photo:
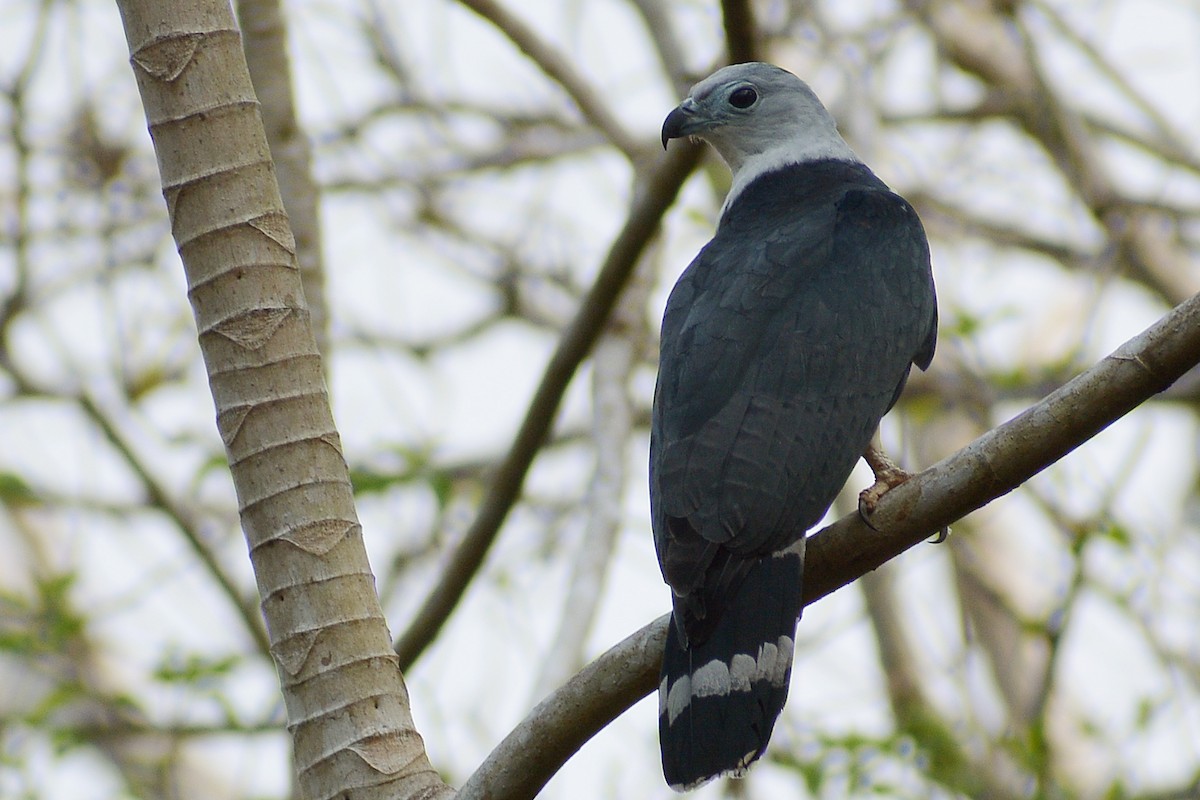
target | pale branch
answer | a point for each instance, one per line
(374, 25)
(1165, 151)
(1047, 679)
(657, 19)
(1016, 656)
(21, 230)
(1003, 458)
(991, 466)
(996, 104)
(950, 221)
(897, 657)
(1000, 632)
(431, 170)
(39, 45)
(652, 197)
(120, 727)
(559, 68)
(912, 709)
(354, 337)
(346, 133)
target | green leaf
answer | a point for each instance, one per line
(1118, 534)
(15, 491)
(194, 669)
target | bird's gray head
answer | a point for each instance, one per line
(758, 117)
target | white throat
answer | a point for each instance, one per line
(792, 151)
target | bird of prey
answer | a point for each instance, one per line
(784, 343)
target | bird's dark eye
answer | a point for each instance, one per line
(743, 97)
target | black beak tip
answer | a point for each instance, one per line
(673, 125)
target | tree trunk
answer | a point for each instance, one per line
(347, 705)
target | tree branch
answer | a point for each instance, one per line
(653, 197)
(991, 466)
(999, 51)
(559, 68)
(613, 363)
(185, 521)
(1003, 458)
(741, 34)
(559, 725)
(657, 19)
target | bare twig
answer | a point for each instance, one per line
(186, 523)
(652, 198)
(657, 17)
(559, 68)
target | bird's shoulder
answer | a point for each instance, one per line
(785, 230)
(785, 218)
(879, 242)
(874, 218)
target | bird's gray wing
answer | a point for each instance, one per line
(783, 344)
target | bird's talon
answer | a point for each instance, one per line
(885, 481)
(942, 535)
(864, 513)
(888, 475)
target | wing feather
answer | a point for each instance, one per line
(783, 344)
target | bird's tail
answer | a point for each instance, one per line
(718, 699)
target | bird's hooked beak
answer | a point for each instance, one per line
(682, 121)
